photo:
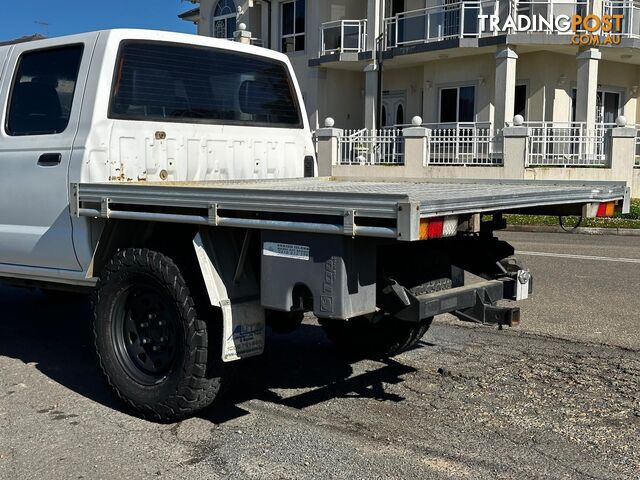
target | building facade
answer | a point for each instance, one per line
(369, 63)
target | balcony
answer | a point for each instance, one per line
(461, 19)
(438, 23)
(343, 36)
(631, 12)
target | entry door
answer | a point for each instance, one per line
(607, 107)
(36, 138)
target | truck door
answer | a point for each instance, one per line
(41, 95)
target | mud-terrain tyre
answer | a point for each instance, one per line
(385, 336)
(152, 344)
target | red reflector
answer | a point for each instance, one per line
(436, 227)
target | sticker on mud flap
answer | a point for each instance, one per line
(285, 250)
(244, 330)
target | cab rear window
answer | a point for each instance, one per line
(158, 81)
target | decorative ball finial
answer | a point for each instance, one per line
(518, 120)
(621, 121)
(242, 27)
(329, 122)
(416, 121)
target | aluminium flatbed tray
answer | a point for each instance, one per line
(369, 207)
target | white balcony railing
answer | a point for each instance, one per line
(570, 144)
(549, 11)
(465, 144)
(371, 147)
(343, 36)
(461, 19)
(630, 9)
(437, 23)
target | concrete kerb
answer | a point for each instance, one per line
(628, 232)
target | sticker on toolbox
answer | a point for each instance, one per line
(285, 250)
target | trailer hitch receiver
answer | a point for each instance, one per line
(486, 313)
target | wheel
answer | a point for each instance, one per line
(381, 335)
(152, 344)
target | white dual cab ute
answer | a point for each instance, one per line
(174, 178)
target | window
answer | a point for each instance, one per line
(607, 106)
(224, 19)
(159, 81)
(457, 104)
(397, 6)
(520, 101)
(43, 90)
(400, 115)
(292, 21)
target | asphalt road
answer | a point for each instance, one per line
(555, 398)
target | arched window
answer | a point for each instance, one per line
(400, 115)
(224, 19)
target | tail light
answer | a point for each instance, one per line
(438, 227)
(606, 209)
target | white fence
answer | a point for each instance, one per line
(571, 144)
(343, 36)
(371, 147)
(465, 144)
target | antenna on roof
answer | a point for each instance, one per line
(44, 25)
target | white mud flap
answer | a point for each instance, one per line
(232, 286)
(244, 330)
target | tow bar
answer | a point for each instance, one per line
(470, 303)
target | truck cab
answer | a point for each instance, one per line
(132, 105)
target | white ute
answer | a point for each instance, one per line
(165, 175)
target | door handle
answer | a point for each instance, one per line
(50, 159)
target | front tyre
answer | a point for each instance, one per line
(152, 344)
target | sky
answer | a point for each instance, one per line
(27, 17)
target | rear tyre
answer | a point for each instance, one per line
(152, 343)
(381, 335)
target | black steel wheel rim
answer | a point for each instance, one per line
(145, 334)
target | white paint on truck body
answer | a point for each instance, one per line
(37, 234)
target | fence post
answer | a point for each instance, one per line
(242, 35)
(622, 151)
(416, 148)
(328, 150)
(515, 148)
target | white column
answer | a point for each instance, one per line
(375, 18)
(371, 96)
(264, 24)
(275, 25)
(505, 87)
(587, 86)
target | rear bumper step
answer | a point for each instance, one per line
(471, 303)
